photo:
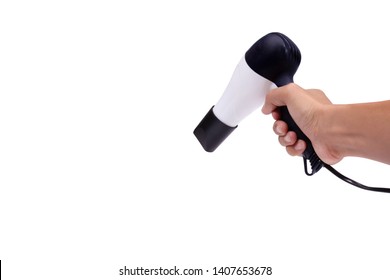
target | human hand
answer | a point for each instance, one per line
(307, 108)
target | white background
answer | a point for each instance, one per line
(99, 167)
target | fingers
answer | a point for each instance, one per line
(281, 97)
(288, 139)
(297, 149)
(276, 114)
(280, 128)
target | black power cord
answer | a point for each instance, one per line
(354, 183)
(316, 164)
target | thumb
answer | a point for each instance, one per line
(275, 98)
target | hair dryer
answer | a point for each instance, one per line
(272, 61)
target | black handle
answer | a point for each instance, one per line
(309, 153)
(277, 58)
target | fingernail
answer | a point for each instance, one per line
(279, 130)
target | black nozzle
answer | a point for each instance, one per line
(211, 132)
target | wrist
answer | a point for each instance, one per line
(332, 141)
(342, 132)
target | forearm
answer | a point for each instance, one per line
(361, 130)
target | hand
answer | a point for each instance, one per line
(306, 108)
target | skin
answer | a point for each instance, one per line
(336, 131)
